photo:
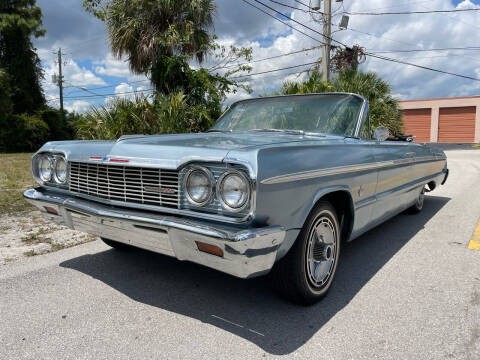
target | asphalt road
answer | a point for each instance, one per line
(409, 289)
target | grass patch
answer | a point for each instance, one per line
(31, 239)
(15, 177)
(57, 246)
(476, 145)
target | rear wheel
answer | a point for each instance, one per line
(117, 245)
(418, 206)
(305, 274)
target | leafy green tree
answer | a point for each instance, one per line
(383, 106)
(19, 21)
(6, 105)
(160, 38)
(26, 122)
(143, 30)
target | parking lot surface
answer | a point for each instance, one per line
(409, 289)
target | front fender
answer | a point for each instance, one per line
(292, 234)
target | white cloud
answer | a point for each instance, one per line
(78, 106)
(123, 88)
(126, 91)
(112, 67)
(422, 31)
(239, 24)
(73, 75)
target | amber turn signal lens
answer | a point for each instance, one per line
(208, 248)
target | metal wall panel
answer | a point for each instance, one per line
(417, 122)
(457, 124)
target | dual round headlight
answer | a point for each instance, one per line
(45, 168)
(232, 188)
(51, 168)
(198, 184)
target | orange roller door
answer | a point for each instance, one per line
(417, 122)
(457, 124)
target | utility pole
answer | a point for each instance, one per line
(327, 33)
(60, 81)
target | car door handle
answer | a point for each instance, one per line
(410, 155)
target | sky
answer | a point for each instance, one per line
(90, 69)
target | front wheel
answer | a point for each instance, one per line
(305, 274)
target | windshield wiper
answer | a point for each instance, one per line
(289, 131)
(220, 131)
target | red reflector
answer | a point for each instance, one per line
(51, 210)
(119, 160)
(208, 248)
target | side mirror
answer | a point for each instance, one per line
(381, 133)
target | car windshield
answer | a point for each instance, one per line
(321, 114)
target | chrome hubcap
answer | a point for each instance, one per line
(321, 251)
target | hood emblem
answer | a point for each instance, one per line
(160, 190)
(101, 158)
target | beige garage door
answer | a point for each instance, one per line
(417, 122)
(457, 124)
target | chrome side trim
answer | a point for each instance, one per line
(344, 169)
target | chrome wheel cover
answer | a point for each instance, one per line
(321, 251)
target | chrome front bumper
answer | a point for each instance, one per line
(246, 253)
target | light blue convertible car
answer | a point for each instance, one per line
(276, 186)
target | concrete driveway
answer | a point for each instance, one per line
(409, 289)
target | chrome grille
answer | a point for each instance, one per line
(126, 184)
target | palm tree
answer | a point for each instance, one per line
(383, 106)
(146, 31)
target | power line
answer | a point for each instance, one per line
(453, 17)
(438, 56)
(411, 12)
(397, 5)
(273, 57)
(123, 82)
(274, 70)
(104, 95)
(376, 36)
(295, 21)
(81, 88)
(420, 66)
(302, 3)
(283, 22)
(366, 53)
(468, 48)
(289, 6)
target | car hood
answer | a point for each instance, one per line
(171, 151)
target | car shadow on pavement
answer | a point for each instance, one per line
(250, 308)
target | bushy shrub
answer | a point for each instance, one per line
(59, 128)
(25, 132)
(166, 114)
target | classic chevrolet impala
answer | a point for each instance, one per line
(275, 186)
